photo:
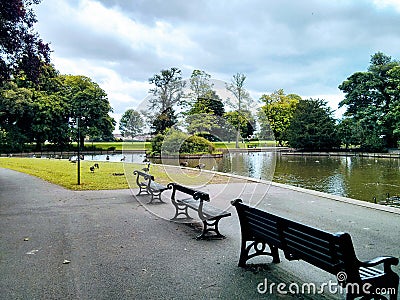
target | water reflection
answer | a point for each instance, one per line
(354, 177)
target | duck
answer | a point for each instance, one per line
(200, 166)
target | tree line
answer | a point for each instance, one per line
(371, 121)
(38, 104)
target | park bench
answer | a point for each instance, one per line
(147, 185)
(330, 252)
(198, 201)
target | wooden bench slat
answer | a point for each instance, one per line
(332, 252)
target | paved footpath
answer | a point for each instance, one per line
(118, 247)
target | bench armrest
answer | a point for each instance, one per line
(387, 261)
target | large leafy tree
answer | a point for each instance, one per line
(168, 89)
(243, 121)
(167, 93)
(277, 112)
(163, 121)
(241, 102)
(375, 91)
(131, 123)
(205, 116)
(21, 49)
(312, 126)
(88, 103)
(200, 85)
(210, 103)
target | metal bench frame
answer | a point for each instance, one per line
(149, 186)
(332, 252)
(208, 214)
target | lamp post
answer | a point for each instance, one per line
(79, 152)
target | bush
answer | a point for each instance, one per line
(156, 143)
(173, 141)
(177, 142)
(197, 144)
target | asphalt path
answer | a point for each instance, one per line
(61, 244)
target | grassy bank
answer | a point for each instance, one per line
(110, 175)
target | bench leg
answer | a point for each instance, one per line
(210, 226)
(142, 189)
(181, 209)
(155, 196)
(256, 248)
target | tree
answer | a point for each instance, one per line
(163, 121)
(375, 91)
(243, 100)
(21, 49)
(200, 85)
(88, 103)
(277, 113)
(205, 116)
(242, 121)
(312, 126)
(168, 89)
(211, 103)
(131, 123)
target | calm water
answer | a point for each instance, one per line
(354, 177)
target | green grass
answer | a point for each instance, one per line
(64, 173)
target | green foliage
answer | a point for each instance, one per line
(173, 142)
(156, 143)
(168, 89)
(312, 126)
(164, 121)
(47, 111)
(176, 142)
(211, 103)
(244, 121)
(197, 144)
(200, 86)
(21, 49)
(277, 113)
(131, 123)
(372, 101)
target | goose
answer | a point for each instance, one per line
(147, 169)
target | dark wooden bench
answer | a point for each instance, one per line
(147, 185)
(198, 201)
(332, 252)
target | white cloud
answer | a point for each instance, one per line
(305, 47)
(387, 3)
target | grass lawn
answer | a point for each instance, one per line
(64, 173)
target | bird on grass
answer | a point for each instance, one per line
(92, 169)
(184, 164)
(96, 165)
(200, 166)
(147, 169)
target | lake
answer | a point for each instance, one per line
(359, 178)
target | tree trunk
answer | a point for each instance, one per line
(237, 138)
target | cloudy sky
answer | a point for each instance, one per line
(305, 47)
